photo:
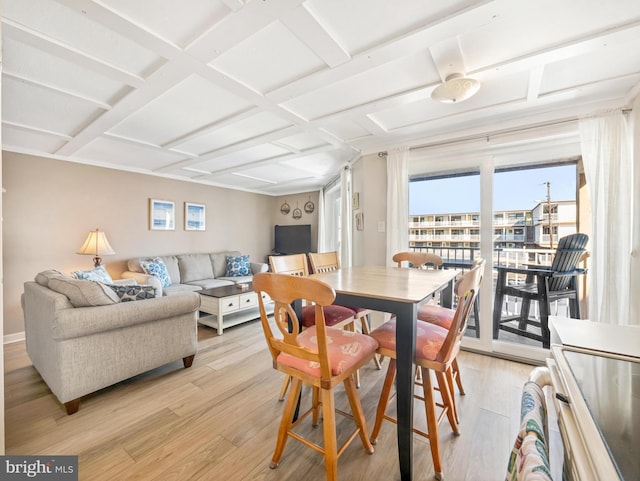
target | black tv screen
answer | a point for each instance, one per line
(292, 239)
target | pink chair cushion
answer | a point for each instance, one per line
(332, 315)
(429, 338)
(346, 349)
(438, 315)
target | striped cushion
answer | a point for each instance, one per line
(438, 315)
(332, 315)
(346, 349)
(429, 338)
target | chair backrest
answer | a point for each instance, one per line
(466, 290)
(294, 264)
(284, 289)
(418, 260)
(324, 261)
(568, 254)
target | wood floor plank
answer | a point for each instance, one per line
(219, 420)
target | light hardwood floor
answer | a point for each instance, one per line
(219, 419)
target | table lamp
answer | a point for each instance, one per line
(96, 245)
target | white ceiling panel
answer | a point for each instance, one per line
(277, 97)
(302, 141)
(240, 158)
(126, 154)
(44, 109)
(177, 22)
(72, 28)
(362, 24)
(37, 141)
(26, 62)
(236, 132)
(190, 105)
(268, 59)
(394, 77)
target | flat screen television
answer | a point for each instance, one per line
(292, 239)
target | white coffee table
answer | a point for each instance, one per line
(230, 305)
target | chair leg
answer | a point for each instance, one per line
(366, 329)
(358, 414)
(449, 375)
(383, 402)
(286, 421)
(330, 440)
(447, 399)
(283, 389)
(315, 402)
(456, 371)
(432, 422)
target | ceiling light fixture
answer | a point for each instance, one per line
(455, 88)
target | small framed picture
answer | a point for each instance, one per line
(162, 215)
(360, 221)
(195, 216)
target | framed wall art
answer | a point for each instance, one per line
(162, 215)
(195, 216)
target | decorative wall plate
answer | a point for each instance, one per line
(309, 207)
(297, 213)
(285, 208)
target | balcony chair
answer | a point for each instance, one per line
(327, 262)
(320, 356)
(335, 316)
(418, 260)
(436, 349)
(544, 284)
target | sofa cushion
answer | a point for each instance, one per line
(44, 277)
(211, 283)
(195, 267)
(133, 292)
(99, 274)
(238, 266)
(219, 262)
(180, 288)
(83, 293)
(156, 267)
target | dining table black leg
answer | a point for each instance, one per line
(405, 350)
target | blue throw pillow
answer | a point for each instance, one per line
(238, 266)
(134, 292)
(99, 274)
(158, 269)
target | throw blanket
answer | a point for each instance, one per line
(529, 458)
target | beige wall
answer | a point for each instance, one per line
(298, 201)
(51, 205)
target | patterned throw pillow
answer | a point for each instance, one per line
(99, 274)
(158, 269)
(134, 292)
(238, 266)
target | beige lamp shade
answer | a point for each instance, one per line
(96, 245)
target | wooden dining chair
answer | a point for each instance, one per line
(328, 262)
(335, 316)
(417, 260)
(320, 356)
(444, 316)
(436, 349)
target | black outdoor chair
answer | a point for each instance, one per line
(545, 284)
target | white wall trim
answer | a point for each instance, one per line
(16, 337)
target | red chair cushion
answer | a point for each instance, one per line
(332, 315)
(429, 338)
(438, 315)
(346, 350)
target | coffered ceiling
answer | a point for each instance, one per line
(275, 96)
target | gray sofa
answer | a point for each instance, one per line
(81, 338)
(191, 272)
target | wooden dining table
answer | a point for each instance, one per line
(399, 291)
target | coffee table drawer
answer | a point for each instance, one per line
(229, 304)
(250, 299)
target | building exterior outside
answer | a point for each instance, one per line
(512, 228)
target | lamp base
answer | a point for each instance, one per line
(97, 261)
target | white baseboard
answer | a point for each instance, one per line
(17, 337)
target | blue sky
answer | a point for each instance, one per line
(519, 189)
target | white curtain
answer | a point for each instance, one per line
(608, 165)
(345, 217)
(322, 223)
(397, 202)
